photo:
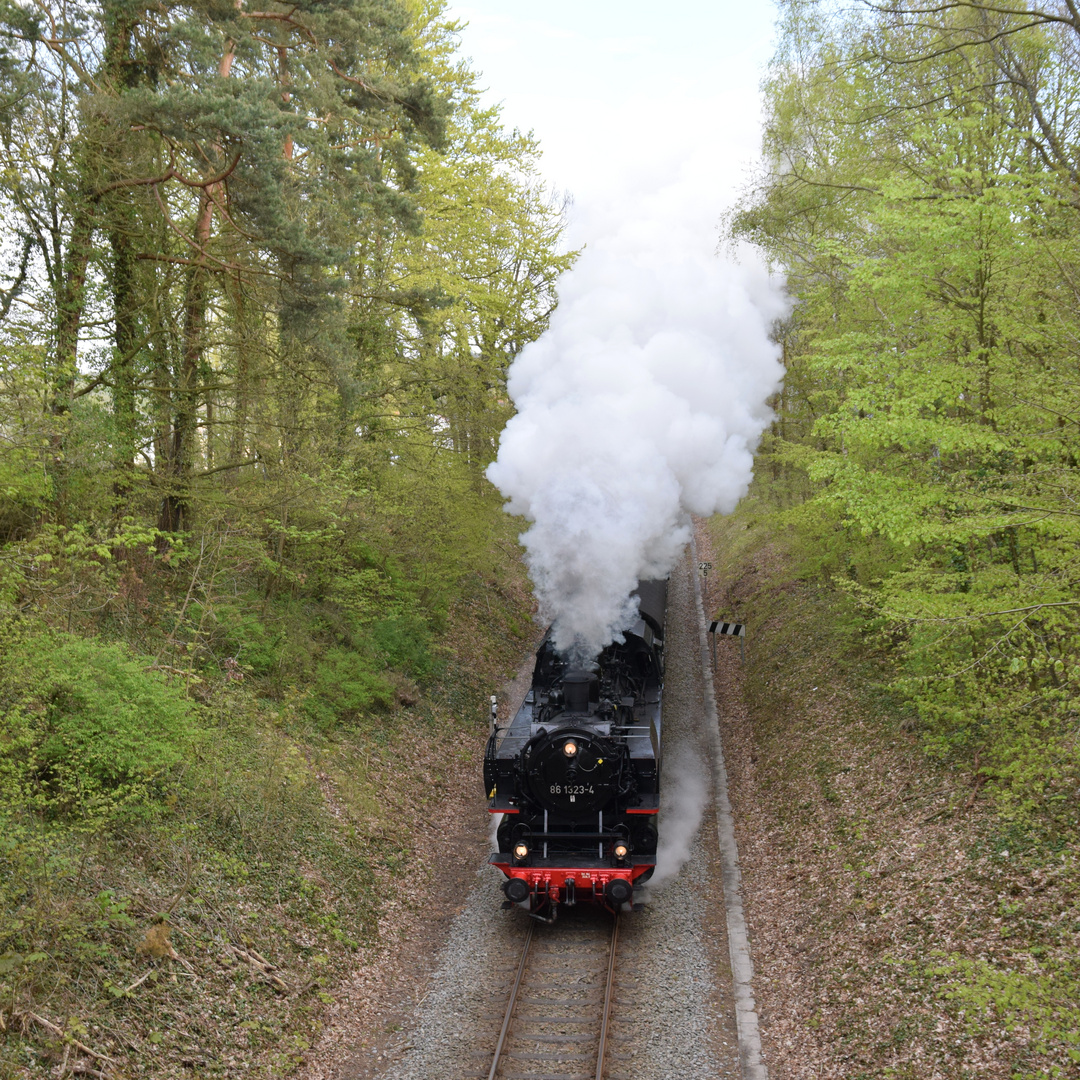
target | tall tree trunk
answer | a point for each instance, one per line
(119, 73)
(241, 403)
(159, 339)
(176, 504)
(181, 450)
(124, 367)
(69, 318)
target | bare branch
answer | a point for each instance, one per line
(990, 614)
(203, 253)
(8, 295)
(224, 468)
(171, 173)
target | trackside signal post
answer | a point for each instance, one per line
(728, 629)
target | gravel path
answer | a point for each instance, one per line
(673, 1013)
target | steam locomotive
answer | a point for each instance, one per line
(576, 773)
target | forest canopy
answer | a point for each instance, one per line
(920, 190)
(264, 268)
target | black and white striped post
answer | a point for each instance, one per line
(729, 629)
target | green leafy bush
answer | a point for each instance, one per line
(403, 641)
(86, 729)
(346, 686)
(236, 630)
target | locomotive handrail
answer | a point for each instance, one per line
(631, 729)
(572, 835)
(523, 832)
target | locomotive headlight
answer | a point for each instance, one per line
(570, 748)
(521, 852)
(621, 851)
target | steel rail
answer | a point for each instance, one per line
(608, 991)
(512, 1002)
(605, 1016)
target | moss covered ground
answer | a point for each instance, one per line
(199, 921)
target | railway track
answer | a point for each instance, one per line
(557, 1022)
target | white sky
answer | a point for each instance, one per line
(624, 94)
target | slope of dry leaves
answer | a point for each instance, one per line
(363, 1028)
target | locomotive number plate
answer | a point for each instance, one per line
(572, 789)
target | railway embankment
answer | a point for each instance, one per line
(901, 925)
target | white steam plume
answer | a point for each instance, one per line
(685, 792)
(641, 404)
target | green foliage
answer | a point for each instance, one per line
(25, 488)
(73, 572)
(281, 832)
(825, 547)
(87, 731)
(404, 642)
(239, 631)
(346, 686)
(1040, 1004)
(250, 832)
(932, 242)
(263, 465)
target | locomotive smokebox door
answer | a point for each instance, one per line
(573, 772)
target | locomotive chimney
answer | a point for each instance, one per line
(578, 689)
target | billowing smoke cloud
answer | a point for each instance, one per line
(641, 405)
(493, 831)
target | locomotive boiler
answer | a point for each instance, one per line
(575, 775)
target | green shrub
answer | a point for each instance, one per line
(237, 631)
(345, 687)
(85, 728)
(403, 641)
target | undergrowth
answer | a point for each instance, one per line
(197, 841)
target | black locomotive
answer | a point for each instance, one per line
(576, 773)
